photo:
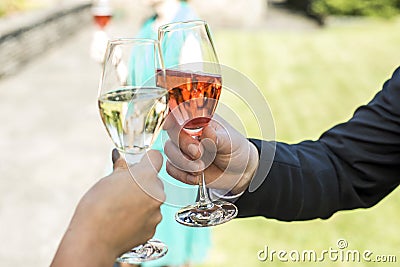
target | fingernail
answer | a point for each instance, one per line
(192, 148)
(115, 155)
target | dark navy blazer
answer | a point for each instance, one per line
(353, 165)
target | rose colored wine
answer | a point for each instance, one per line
(193, 98)
(102, 20)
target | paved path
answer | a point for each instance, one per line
(53, 147)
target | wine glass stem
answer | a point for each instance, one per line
(204, 200)
(132, 159)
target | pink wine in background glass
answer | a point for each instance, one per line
(101, 20)
(193, 98)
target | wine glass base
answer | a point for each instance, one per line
(217, 212)
(151, 250)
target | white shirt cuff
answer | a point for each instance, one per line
(216, 194)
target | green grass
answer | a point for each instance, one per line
(14, 6)
(312, 81)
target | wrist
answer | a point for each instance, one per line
(80, 246)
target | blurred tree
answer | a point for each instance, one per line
(9, 6)
(320, 9)
(379, 8)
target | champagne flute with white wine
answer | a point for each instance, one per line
(133, 109)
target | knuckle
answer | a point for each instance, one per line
(168, 147)
(158, 217)
(150, 233)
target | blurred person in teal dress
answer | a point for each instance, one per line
(186, 245)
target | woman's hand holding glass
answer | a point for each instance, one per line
(133, 108)
(114, 215)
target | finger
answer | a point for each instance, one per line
(144, 174)
(209, 144)
(185, 142)
(151, 163)
(115, 155)
(181, 138)
(118, 161)
(215, 178)
(222, 134)
(170, 122)
(172, 127)
(188, 145)
(152, 158)
(209, 151)
(180, 161)
(180, 175)
(209, 132)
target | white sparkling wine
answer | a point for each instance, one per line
(133, 116)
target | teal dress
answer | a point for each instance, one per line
(185, 244)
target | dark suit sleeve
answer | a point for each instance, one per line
(353, 165)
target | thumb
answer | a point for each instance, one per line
(117, 160)
(209, 143)
(210, 136)
(152, 158)
(145, 172)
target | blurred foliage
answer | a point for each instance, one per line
(381, 8)
(10, 6)
(312, 80)
(323, 8)
(14, 6)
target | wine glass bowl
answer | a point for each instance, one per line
(133, 116)
(193, 97)
(193, 79)
(133, 108)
